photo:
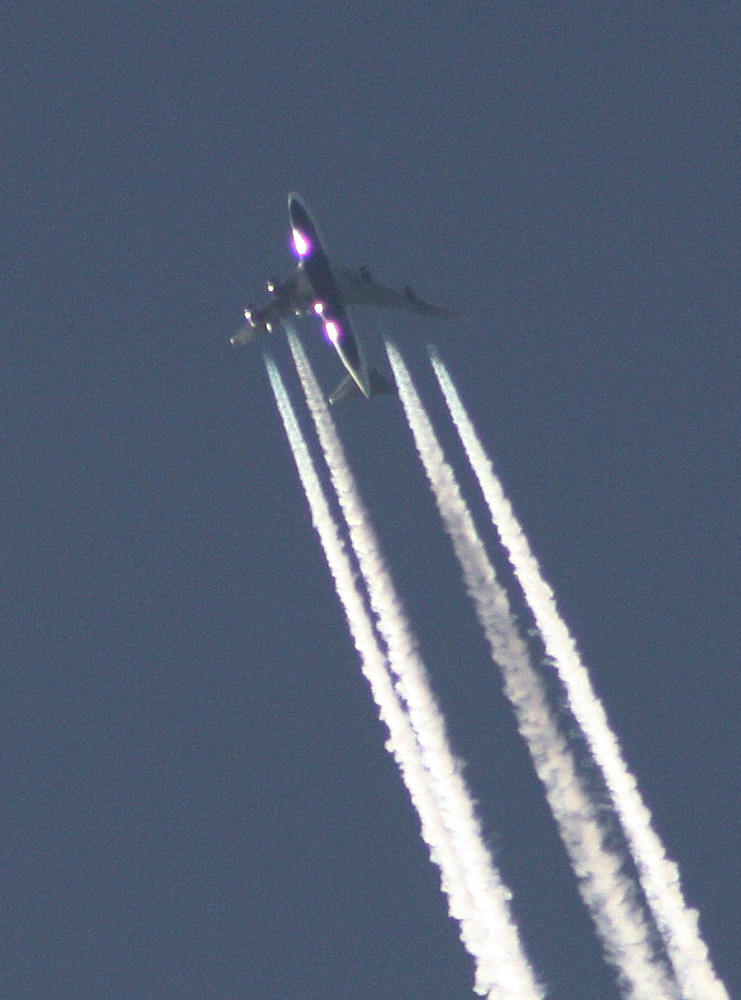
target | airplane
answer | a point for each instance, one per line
(326, 290)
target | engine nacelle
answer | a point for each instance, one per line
(251, 315)
(255, 324)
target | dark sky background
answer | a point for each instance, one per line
(196, 798)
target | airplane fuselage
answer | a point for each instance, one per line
(317, 287)
(328, 304)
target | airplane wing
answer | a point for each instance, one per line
(246, 334)
(359, 289)
(291, 297)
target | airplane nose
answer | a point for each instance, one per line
(299, 214)
(304, 231)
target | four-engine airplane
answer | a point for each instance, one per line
(316, 286)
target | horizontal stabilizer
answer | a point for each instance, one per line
(348, 387)
(379, 384)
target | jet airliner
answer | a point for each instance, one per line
(317, 287)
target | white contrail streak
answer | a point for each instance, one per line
(608, 893)
(402, 743)
(490, 936)
(659, 877)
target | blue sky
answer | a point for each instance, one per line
(197, 801)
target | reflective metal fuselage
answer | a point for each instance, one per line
(328, 304)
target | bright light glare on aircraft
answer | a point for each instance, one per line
(317, 288)
(300, 244)
(332, 330)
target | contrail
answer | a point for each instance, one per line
(402, 743)
(608, 893)
(659, 877)
(502, 970)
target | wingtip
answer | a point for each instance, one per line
(242, 337)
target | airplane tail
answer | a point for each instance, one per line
(348, 387)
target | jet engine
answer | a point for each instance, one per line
(254, 325)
